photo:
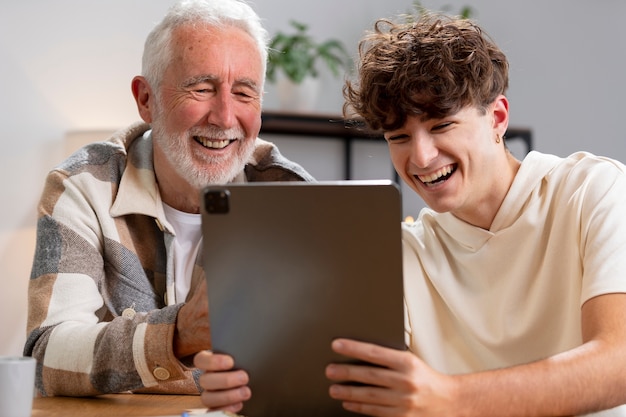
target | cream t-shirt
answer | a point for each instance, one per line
(483, 299)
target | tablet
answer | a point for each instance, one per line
(291, 266)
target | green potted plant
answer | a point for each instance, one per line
(297, 55)
(465, 12)
(294, 63)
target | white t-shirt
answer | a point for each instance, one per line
(186, 246)
(483, 299)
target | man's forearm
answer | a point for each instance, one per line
(586, 379)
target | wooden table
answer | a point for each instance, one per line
(116, 405)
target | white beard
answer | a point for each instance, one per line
(200, 169)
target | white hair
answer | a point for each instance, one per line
(215, 13)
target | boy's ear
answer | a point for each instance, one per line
(501, 114)
(142, 92)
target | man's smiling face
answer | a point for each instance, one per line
(456, 163)
(207, 114)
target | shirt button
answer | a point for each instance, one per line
(161, 373)
(129, 313)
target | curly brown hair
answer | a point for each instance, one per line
(433, 67)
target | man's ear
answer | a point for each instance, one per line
(500, 114)
(143, 97)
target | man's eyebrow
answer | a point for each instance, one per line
(206, 78)
(250, 83)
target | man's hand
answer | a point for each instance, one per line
(402, 384)
(192, 324)
(224, 388)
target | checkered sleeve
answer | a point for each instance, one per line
(97, 322)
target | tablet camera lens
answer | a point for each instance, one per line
(217, 201)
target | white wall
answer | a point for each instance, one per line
(66, 65)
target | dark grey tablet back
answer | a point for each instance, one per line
(290, 266)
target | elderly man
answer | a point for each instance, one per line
(117, 299)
